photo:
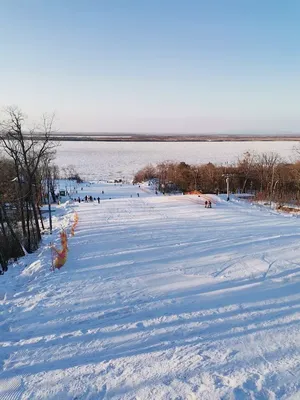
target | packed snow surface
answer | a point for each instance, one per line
(160, 298)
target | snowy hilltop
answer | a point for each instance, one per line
(160, 298)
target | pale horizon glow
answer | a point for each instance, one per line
(153, 67)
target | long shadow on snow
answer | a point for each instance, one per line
(198, 299)
(265, 314)
(136, 268)
(183, 324)
(153, 344)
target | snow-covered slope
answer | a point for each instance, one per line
(160, 298)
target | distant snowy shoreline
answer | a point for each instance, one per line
(110, 160)
(95, 137)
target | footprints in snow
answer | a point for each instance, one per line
(252, 388)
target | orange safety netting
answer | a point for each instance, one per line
(74, 224)
(64, 240)
(60, 255)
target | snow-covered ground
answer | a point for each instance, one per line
(160, 298)
(107, 160)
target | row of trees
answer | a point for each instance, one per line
(27, 176)
(264, 174)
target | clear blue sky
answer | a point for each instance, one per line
(153, 65)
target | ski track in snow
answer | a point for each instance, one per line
(160, 298)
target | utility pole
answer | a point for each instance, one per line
(227, 181)
(227, 176)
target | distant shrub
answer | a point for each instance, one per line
(75, 177)
(265, 175)
(145, 174)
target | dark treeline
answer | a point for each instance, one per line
(27, 175)
(266, 175)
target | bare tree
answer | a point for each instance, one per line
(27, 149)
(10, 238)
(245, 168)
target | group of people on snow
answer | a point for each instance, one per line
(207, 204)
(88, 199)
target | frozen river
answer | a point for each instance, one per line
(107, 160)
